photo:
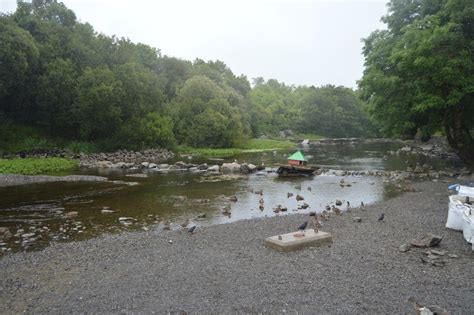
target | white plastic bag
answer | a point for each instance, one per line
(455, 212)
(465, 190)
(468, 225)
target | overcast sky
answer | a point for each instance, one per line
(299, 42)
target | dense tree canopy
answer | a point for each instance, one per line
(61, 78)
(419, 72)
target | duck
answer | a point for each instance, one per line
(226, 210)
(185, 223)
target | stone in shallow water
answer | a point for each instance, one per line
(298, 240)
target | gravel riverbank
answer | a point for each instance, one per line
(226, 268)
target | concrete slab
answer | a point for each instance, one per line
(298, 240)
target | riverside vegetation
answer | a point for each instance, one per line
(65, 85)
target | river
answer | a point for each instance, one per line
(38, 210)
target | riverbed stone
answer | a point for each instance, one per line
(181, 164)
(418, 169)
(104, 164)
(230, 167)
(71, 214)
(5, 233)
(404, 248)
(213, 168)
(203, 167)
(429, 240)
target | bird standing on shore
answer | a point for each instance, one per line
(362, 206)
(302, 227)
(185, 223)
(226, 210)
(382, 216)
(191, 229)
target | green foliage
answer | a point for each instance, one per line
(36, 166)
(209, 152)
(251, 145)
(206, 119)
(151, 131)
(81, 147)
(419, 72)
(91, 92)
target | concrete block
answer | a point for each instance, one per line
(298, 240)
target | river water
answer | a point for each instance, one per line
(39, 210)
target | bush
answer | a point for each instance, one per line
(81, 147)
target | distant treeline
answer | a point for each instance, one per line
(65, 81)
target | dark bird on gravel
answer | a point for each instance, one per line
(382, 216)
(185, 223)
(302, 227)
(233, 198)
(261, 207)
(226, 210)
(191, 229)
(328, 208)
(338, 202)
(336, 210)
(362, 206)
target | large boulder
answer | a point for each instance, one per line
(213, 168)
(230, 167)
(104, 164)
(429, 240)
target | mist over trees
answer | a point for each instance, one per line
(64, 80)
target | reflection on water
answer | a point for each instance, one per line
(40, 211)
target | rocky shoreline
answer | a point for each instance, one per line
(226, 268)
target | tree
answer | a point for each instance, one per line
(419, 73)
(18, 58)
(203, 116)
(96, 112)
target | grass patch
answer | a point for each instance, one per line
(252, 145)
(36, 166)
(309, 136)
(267, 144)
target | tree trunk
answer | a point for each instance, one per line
(459, 136)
